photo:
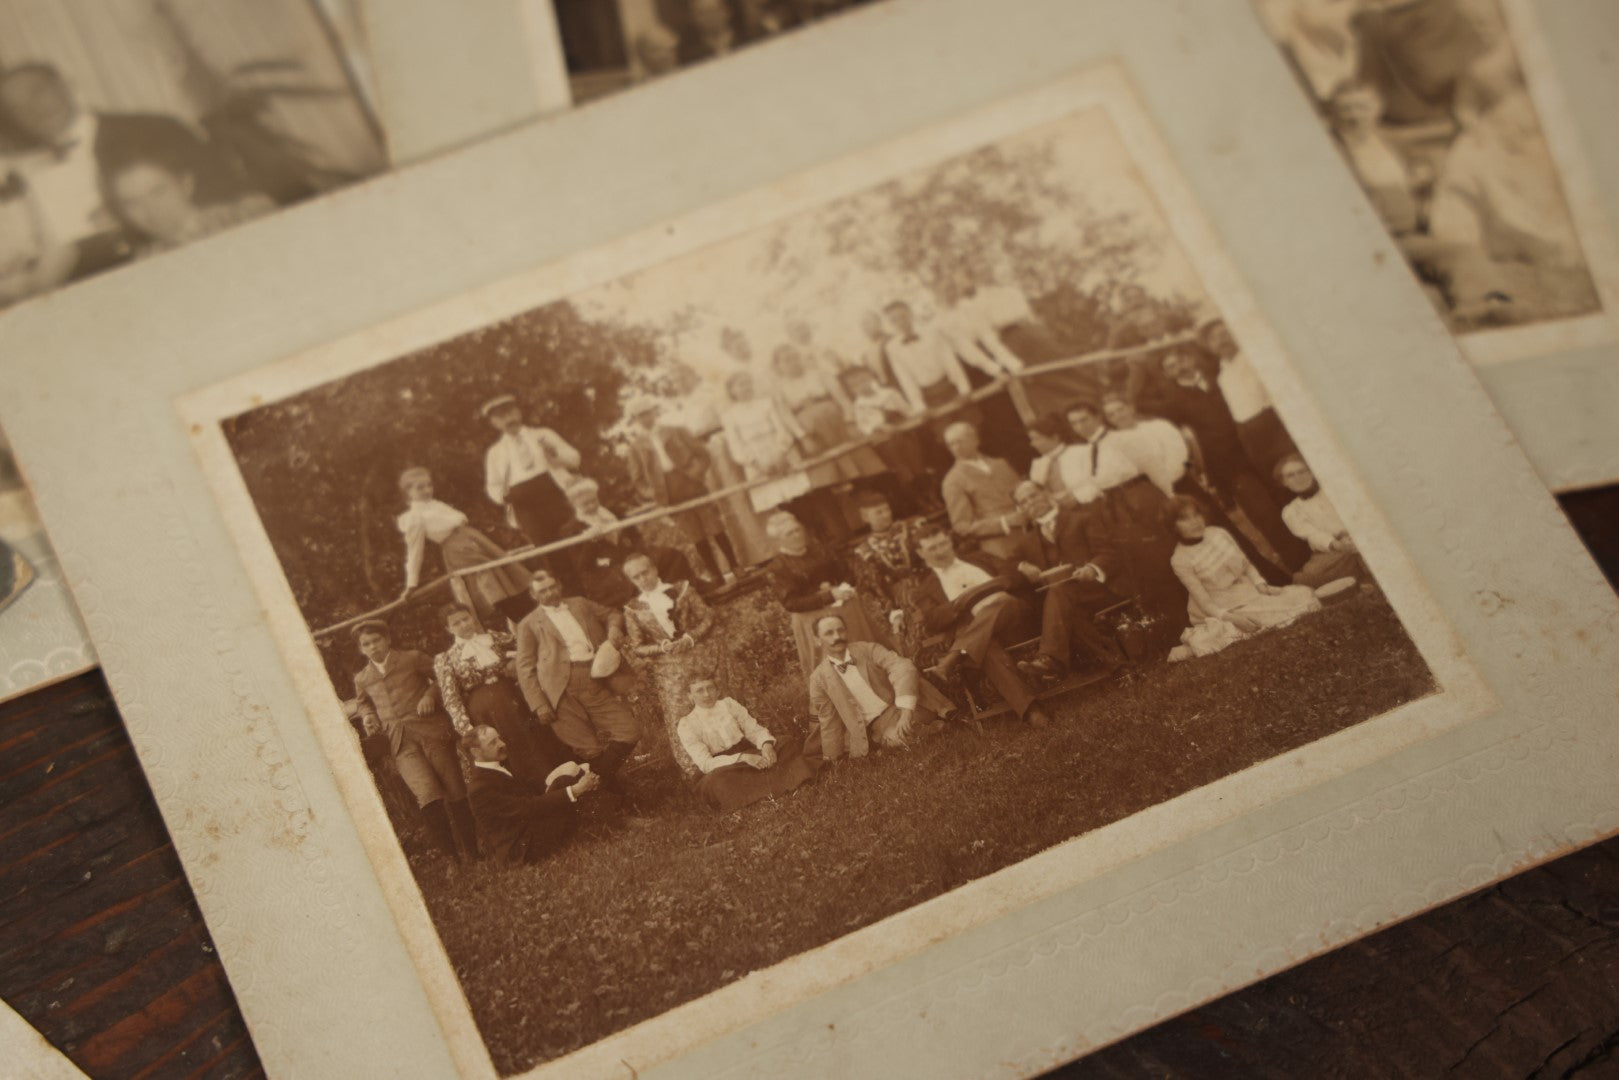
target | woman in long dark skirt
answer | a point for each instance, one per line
(739, 760)
(477, 680)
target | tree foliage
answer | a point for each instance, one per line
(322, 466)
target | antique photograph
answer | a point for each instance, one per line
(17, 521)
(129, 127)
(609, 45)
(706, 614)
(1431, 107)
(41, 637)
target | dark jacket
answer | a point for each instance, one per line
(1209, 417)
(684, 481)
(517, 821)
(939, 613)
(1082, 537)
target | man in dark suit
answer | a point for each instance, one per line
(593, 565)
(519, 821)
(80, 151)
(397, 693)
(1068, 536)
(569, 656)
(1192, 399)
(982, 602)
(669, 466)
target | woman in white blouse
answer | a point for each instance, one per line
(502, 590)
(738, 760)
(1228, 599)
(1154, 446)
(1312, 518)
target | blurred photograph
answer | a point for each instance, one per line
(610, 45)
(131, 127)
(1431, 107)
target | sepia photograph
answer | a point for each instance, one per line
(41, 637)
(609, 45)
(699, 617)
(17, 521)
(1431, 107)
(131, 127)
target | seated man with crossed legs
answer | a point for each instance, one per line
(972, 599)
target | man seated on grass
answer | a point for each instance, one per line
(863, 693)
(520, 821)
(972, 599)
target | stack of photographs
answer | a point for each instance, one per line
(921, 547)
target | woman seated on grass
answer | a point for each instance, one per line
(739, 759)
(1312, 518)
(1229, 599)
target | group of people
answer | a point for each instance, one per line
(1429, 103)
(1155, 498)
(82, 190)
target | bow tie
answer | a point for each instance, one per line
(842, 666)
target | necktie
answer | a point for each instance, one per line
(844, 666)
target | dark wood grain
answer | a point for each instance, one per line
(102, 947)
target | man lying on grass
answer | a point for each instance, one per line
(519, 821)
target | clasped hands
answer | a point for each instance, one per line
(683, 643)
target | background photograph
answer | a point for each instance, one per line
(609, 45)
(128, 127)
(1428, 101)
(707, 615)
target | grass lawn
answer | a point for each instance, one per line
(626, 923)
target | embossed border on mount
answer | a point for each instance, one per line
(1462, 697)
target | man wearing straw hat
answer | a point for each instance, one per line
(526, 470)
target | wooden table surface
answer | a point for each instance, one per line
(102, 947)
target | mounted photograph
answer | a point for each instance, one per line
(42, 638)
(814, 562)
(131, 127)
(611, 45)
(1435, 111)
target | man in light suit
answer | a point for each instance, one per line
(863, 694)
(560, 644)
(978, 494)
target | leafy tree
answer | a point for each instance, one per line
(323, 466)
